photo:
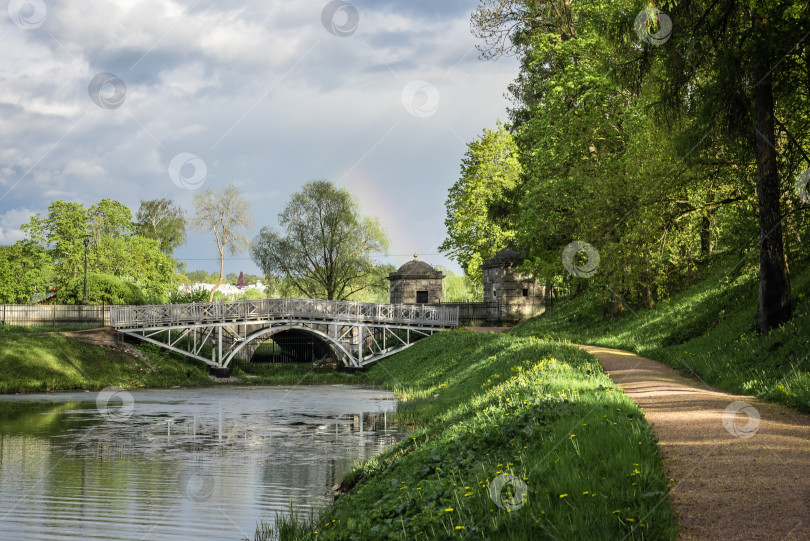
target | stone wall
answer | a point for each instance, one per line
(505, 287)
(403, 289)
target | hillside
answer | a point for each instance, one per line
(707, 331)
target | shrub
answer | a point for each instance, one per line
(101, 289)
(186, 297)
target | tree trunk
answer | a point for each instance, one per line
(773, 301)
(616, 305)
(648, 293)
(705, 236)
(221, 274)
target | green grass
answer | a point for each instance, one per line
(35, 361)
(38, 359)
(290, 373)
(707, 331)
(488, 407)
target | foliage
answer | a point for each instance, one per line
(185, 297)
(62, 232)
(159, 219)
(707, 331)
(477, 204)
(486, 406)
(246, 295)
(288, 374)
(203, 277)
(377, 287)
(101, 289)
(740, 61)
(647, 150)
(326, 245)
(462, 288)
(25, 273)
(54, 253)
(226, 214)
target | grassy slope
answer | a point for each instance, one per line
(33, 360)
(485, 406)
(707, 331)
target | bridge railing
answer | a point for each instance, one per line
(288, 308)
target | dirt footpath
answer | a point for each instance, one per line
(741, 466)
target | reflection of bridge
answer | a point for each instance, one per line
(353, 333)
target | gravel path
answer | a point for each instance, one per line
(740, 466)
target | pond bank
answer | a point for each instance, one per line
(42, 361)
(513, 438)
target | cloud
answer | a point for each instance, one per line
(260, 91)
(10, 222)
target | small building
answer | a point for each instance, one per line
(416, 282)
(510, 295)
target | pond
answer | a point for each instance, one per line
(179, 463)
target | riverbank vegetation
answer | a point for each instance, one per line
(513, 438)
(707, 331)
(34, 360)
(290, 374)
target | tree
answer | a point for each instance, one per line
(159, 219)
(62, 232)
(326, 246)
(733, 66)
(110, 227)
(25, 272)
(226, 214)
(475, 228)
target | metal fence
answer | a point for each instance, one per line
(264, 309)
(476, 313)
(54, 315)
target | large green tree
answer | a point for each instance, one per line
(477, 222)
(25, 272)
(163, 221)
(325, 246)
(732, 66)
(62, 232)
(56, 242)
(650, 145)
(110, 227)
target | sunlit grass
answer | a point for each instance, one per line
(708, 331)
(33, 360)
(490, 407)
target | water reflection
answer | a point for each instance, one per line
(188, 463)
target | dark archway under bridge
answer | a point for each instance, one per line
(292, 346)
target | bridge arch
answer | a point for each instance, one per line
(270, 331)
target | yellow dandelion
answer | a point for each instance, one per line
(563, 495)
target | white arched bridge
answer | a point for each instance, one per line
(215, 333)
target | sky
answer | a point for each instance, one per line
(143, 99)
